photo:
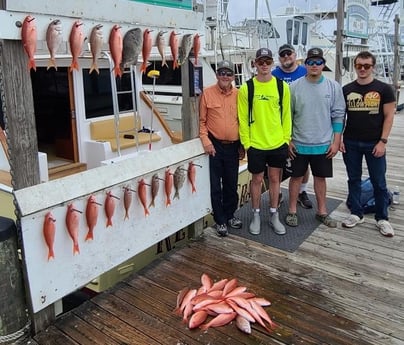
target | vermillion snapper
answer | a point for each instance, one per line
(174, 48)
(76, 41)
(49, 230)
(96, 42)
(197, 47)
(185, 49)
(115, 47)
(53, 41)
(161, 45)
(91, 216)
(72, 224)
(142, 194)
(29, 37)
(168, 185)
(109, 207)
(132, 46)
(146, 49)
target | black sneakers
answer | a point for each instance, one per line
(304, 200)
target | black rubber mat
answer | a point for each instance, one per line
(294, 236)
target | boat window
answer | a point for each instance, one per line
(296, 33)
(304, 33)
(289, 30)
(98, 94)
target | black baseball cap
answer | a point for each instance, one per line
(263, 53)
(225, 64)
(314, 53)
(285, 48)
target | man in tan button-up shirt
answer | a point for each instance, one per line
(219, 134)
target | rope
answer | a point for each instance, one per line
(14, 336)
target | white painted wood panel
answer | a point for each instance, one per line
(51, 280)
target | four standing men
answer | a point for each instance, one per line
(310, 136)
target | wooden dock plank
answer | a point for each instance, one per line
(341, 286)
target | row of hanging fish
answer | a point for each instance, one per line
(171, 180)
(216, 304)
(124, 49)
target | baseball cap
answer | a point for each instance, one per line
(263, 52)
(285, 47)
(315, 53)
(225, 64)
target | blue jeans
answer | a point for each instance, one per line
(223, 168)
(354, 152)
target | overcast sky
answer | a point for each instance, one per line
(240, 9)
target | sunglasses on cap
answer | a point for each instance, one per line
(314, 62)
(262, 62)
(366, 66)
(286, 53)
(225, 73)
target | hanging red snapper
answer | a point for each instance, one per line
(197, 47)
(49, 230)
(174, 49)
(72, 224)
(91, 216)
(29, 38)
(146, 49)
(109, 207)
(115, 47)
(76, 41)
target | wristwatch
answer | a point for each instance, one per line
(383, 140)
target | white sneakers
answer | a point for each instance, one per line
(385, 228)
(352, 221)
(382, 225)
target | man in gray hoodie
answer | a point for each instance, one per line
(318, 110)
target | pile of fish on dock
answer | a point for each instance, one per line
(216, 304)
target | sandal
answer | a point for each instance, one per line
(291, 219)
(326, 220)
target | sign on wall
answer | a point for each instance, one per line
(357, 12)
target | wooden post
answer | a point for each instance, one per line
(13, 314)
(16, 92)
(190, 104)
(190, 124)
(339, 41)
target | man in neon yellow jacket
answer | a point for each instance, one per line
(265, 135)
